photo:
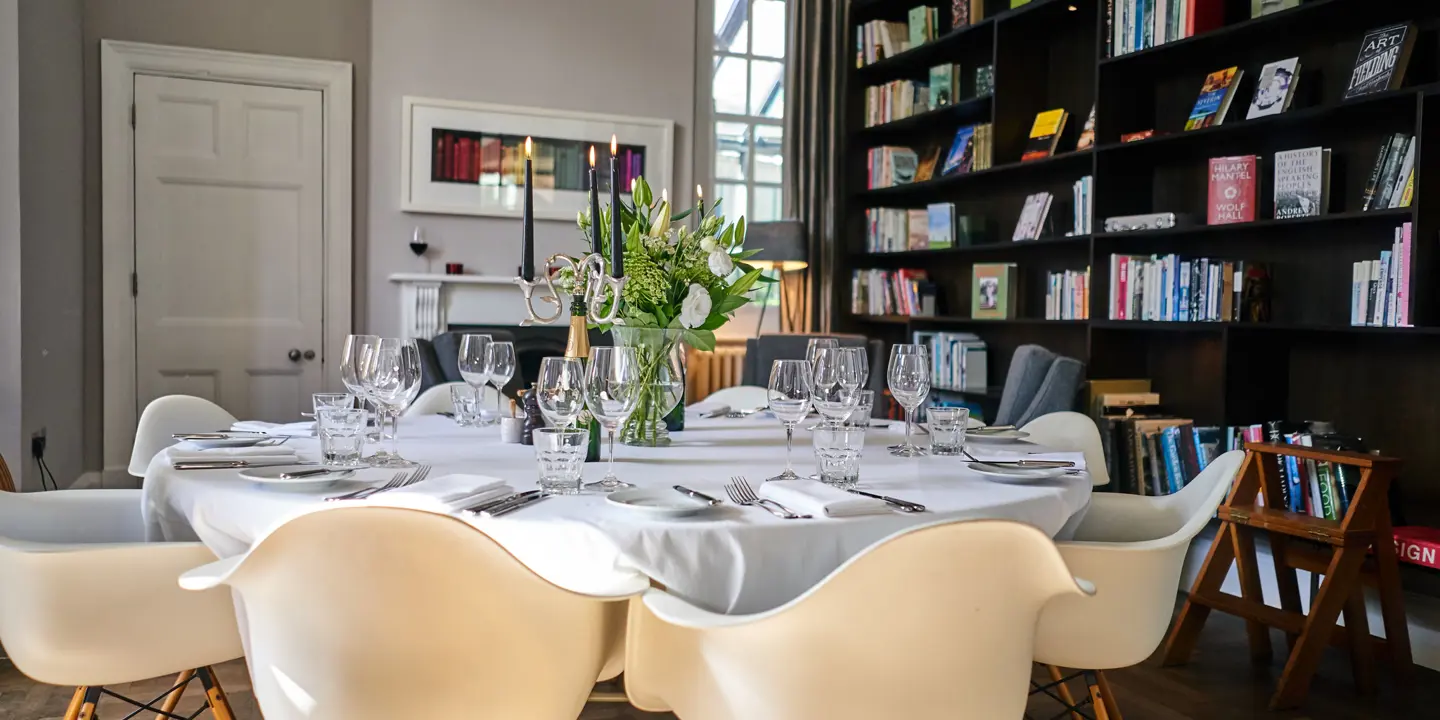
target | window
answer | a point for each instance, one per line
(748, 103)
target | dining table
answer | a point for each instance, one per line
(731, 559)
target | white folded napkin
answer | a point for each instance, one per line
(178, 453)
(987, 454)
(295, 429)
(446, 493)
(708, 410)
(812, 497)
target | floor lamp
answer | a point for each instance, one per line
(783, 248)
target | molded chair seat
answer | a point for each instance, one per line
(171, 414)
(1075, 432)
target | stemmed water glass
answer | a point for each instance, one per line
(474, 364)
(561, 390)
(791, 383)
(392, 377)
(830, 397)
(815, 345)
(909, 384)
(352, 366)
(854, 365)
(500, 361)
(612, 390)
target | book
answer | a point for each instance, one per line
(1045, 134)
(1391, 185)
(919, 17)
(942, 85)
(1233, 186)
(1265, 7)
(1275, 88)
(1302, 182)
(1087, 133)
(1380, 65)
(1405, 178)
(984, 80)
(959, 13)
(1017, 3)
(926, 169)
(1214, 101)
(1031, 224)
(940, 225)
(918, 229)
(993, 289)
(961, 154)
(1377, 173)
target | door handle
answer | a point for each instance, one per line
(294, 355)
(309, 354)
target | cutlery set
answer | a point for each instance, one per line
(401, 479)
(741, 493)
(1027, 464)
(507, 504)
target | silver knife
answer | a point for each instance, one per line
(702, 497)
(513, 506)
(905, 505)
(305, 473)
(229, 464)
(495, 502)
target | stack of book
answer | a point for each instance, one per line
(1316, 488)
(1168, 288)
(1083, 196)
(969, 152)
(1380, 289)
(880, 39)
(1034, 217)
(889, 165)
(895, 100)
(1150, 455)
(898, 230)
(891, 292)
(1067, 295)
(1132, 25)
(1392, 179)
(958, 360)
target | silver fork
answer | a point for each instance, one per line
(366, 492)
(415, 476)
(741, 493)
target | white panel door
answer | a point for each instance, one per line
(229, 203)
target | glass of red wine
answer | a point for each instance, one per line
(419, 246)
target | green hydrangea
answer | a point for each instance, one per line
(645, 283)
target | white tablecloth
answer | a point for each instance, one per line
(736, 560)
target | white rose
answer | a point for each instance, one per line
(707, 243)
(720, 263)
(696, 307)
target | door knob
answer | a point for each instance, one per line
(294, 355)
(309, 354)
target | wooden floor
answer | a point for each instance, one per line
(1220, 684)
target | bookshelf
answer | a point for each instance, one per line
(1308, 362)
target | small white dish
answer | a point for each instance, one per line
(657, 503)
(269, 477)
(1000, 473)
(226, 439)
(1004, 436)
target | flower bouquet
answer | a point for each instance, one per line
(683, 282)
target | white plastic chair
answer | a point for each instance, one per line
(1132, 548)
(371, 612)
(740, 397)
(1074, 432)
(936, 622)
(436, 400)
(86, 602)
(171, 414)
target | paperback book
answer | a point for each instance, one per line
(1033, 217)
(1275, 88)
(940, 225)
(962, 152)
(1302, 182)
(1214, 100)
(1233, 185)
(1045, 135)
(1384, 53)
(993, 291)
(1087, 133)
(943, 90)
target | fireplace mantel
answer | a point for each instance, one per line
(431, 303)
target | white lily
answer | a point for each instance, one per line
(696, 307)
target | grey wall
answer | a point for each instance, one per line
(52, 255)
(626, 57)
(10, 359)
(322, 29)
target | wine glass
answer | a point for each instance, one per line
(352, 366)
(909, 384)
(815, 345)
(392, 376)
(791, 384)
(831, 399)
(612, 390)
(561, 389)
(854, 368)
(473, 362)
(500, 360)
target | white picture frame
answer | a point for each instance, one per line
(421, 192)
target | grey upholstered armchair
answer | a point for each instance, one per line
(1039, 382)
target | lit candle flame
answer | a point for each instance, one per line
(614, 146)
(664, 195)
(632, 185)
(527, 148)
(592, 156)
(699, 193)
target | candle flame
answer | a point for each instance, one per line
(527, 148)
(699, 193)
(592, 156)
(664, 195)
(614, 146)
(632, 185)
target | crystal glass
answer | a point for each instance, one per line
(831, 399)
(561, 389)
(854, 367)
(392, 377)
(815, 345)
(320, 401)
(864, 409)
(465, 401)
(352, 364)
(947, 429)
(790, 394)
(909, 384)
(837, 454)
(612, 390)
(560, 452)
(500, 359)
(473, 360)
(342, 436)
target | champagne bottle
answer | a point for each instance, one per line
(577, 345)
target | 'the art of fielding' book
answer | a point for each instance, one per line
(1382, 59)
(1302, 182)
(1215, 96)
(1233, 183)
(1045, 134)
(1275, 89)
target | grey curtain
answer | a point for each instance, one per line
(814, 100)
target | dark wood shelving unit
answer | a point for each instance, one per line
(1308, 363)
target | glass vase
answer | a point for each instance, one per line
(662, 378)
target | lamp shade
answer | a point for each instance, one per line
(782, 245)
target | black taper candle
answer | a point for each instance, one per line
(617, 235)
(595, 245)
(527, 220)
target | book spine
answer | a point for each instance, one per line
(1124, 274)
(1377, 286)
(1407, 165)
(1375, 178)
(1387, 174)
(1355, 271)
(1172, 460)
(1403, 302)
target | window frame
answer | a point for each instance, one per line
(714, 57)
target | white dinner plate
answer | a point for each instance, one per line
(1003, 474)
(1004, 436)
(231, 439)
(657, 503)
(269, 477)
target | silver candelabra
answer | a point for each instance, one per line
(589, 270)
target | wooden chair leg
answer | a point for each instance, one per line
(1063, 690)
(88, 703)
(173, 699)
(1107, 696)
(73, 712)
(1097, 701)
(215, 695)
